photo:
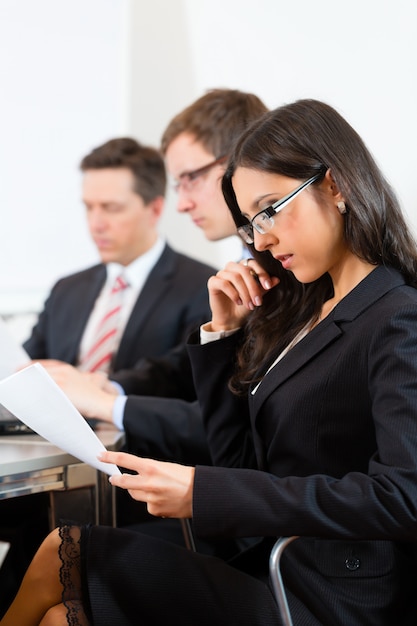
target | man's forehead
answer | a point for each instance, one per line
(186, 153)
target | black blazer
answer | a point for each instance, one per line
(326, 449)
(168, 429)
(173, 301)
(169, 376)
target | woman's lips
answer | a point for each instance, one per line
(285, 260)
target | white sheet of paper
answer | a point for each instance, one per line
(12, 355)
(35, 398)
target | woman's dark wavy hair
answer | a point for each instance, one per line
(300, 140)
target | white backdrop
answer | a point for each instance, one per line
(63, 89)
(74, 73)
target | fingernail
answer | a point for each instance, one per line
(258, 301)
(251, 305)
(267, 284)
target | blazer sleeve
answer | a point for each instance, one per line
(38, 345)
(377, 503)
(58, 330)
(165, 429)
(226, 416)
(35, 345)
(169, 376)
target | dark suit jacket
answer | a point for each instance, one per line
(169, 376)
(168, 429)
(329, 441)
(173, 301)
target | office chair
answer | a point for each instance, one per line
(188, 535)
(276, 578)
(274, 568)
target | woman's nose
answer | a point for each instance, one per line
(263, 242)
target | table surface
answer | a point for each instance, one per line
(30, 464)
(26, 453)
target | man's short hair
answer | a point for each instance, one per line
(215, 120)
(145, 163)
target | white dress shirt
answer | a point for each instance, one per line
(136, 274)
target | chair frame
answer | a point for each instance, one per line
(276, 578)
(274, 568)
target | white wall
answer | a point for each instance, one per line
(74, 73)
(359, 56)
(63, 71)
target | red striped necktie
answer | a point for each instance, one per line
(99, 356)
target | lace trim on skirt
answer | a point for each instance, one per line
(71, 576)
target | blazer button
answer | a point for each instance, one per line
(352, 564)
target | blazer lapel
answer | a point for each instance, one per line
(153, 289)
(305, 350)
(373, 287)
(88, 290)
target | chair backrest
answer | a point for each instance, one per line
(276, 578)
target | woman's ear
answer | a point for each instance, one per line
(335, 192)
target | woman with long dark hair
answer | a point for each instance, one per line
(307, 377)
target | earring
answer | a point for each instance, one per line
(342, 207)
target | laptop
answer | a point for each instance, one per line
(11, 425)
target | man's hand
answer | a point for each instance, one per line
(83, 389)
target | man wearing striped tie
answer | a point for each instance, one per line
(98, 357)
(143, 298)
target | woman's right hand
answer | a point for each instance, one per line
(167, 488)
(235, 291)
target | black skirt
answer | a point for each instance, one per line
(130, 579)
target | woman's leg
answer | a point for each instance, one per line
(41, 588)
(58, 616)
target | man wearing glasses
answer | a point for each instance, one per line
(107, 317)
(159, 413)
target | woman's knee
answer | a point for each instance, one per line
(58, 615)
(51, 541)
(55, 616)
(49, 546)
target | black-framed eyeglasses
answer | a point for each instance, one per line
(263, 221)
(187, 179)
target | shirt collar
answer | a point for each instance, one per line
(141, 266)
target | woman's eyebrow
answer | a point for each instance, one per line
(255, 204)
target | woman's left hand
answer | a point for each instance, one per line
(167, 488)
(235, 291)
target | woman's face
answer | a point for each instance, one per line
(307, 234)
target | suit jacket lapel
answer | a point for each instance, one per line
(87, 293)
(373, 287)
(153, 289)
